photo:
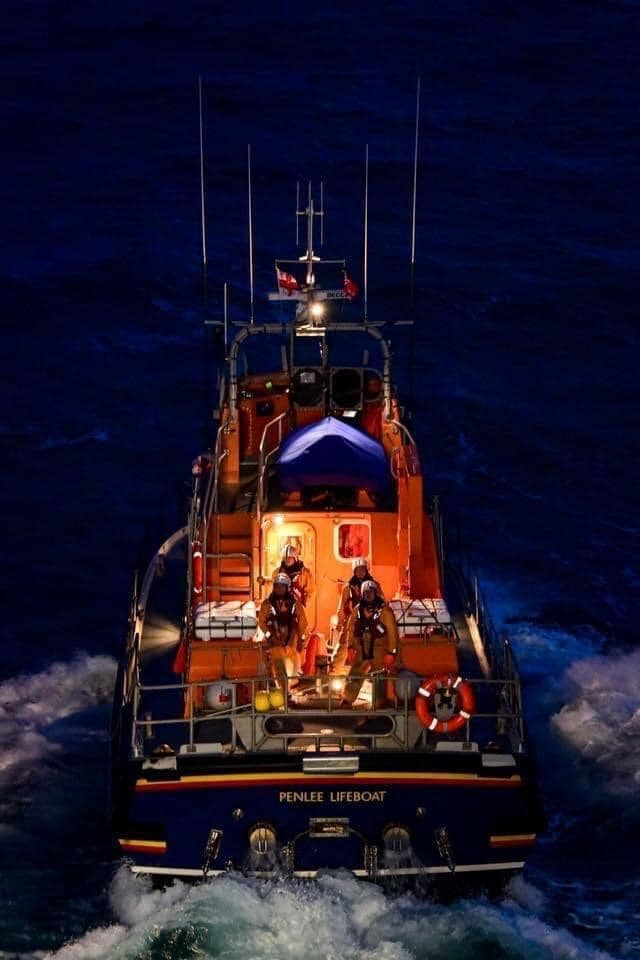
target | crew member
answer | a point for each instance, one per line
(284, 624)
(351, 592)
(349, 599)
(371, 642)
(302, 582)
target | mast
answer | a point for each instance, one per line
(251, 311)
(366, 226)
(310, 277)
(226, 316)
(415, 194)
(412, 340)
(202, 204)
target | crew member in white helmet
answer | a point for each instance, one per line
(302, 582)
(371, 641)
(284, 623)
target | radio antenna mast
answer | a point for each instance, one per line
(251, 312)
(366, 226)
(202, 203)
(415, 193)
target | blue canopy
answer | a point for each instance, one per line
(332, 453)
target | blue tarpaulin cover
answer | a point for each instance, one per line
(332, 453)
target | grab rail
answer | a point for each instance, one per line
(247, 721)
(404, 429)
(263, 457)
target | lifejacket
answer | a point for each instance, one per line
(354, 595)
(283, 618)
(293, 571)
(367, 630)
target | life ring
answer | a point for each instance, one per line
(197, 571)
(466, 703)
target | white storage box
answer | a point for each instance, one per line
(232, 619)
(412, 616)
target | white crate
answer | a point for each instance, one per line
(221, 621)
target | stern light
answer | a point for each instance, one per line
(396, 839)
(262, 840)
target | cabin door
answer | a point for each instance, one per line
(276, 538)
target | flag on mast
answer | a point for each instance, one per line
(350, 287)
(286, 281)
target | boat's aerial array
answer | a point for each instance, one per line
(338, 697)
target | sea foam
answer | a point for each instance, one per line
(333, 918)
(602, 721)
(29, 705)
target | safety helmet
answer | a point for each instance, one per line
(282, 578)
(290, 550)
(359, 562)
(368, 585)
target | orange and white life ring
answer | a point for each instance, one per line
(197, 571)
(465, 703)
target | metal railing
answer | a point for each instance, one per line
(213, 489)
(497, 648)
(232, 556)
(249, 725)
(263, 458)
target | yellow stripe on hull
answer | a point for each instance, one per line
(215, 781)
(511, 839)
(142, 846)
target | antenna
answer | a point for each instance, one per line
(412, 342)
(226, 316)
(204, 237)
(322, 213)
(415, 191)
(202, 211)
(297, 208)
(366, 226)
(251, 316)
(309, 236)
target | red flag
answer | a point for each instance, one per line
(287, 281)
(351, 289)
(180, 659)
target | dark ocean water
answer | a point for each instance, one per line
(525, 401)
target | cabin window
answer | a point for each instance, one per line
(353, 540)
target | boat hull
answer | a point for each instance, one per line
(456, 816)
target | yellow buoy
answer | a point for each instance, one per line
(276, 698)
(261, 701)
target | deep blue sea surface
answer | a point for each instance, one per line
(525, 401)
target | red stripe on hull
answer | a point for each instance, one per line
(160, 850)
(171, 785)
(499, 844)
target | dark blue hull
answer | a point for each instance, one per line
(456, 814)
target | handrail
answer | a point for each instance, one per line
(499, 653)
(211, 498)
(404, 735)
(266, 428)
(404, 429)
(263, 458)
(234, 556)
